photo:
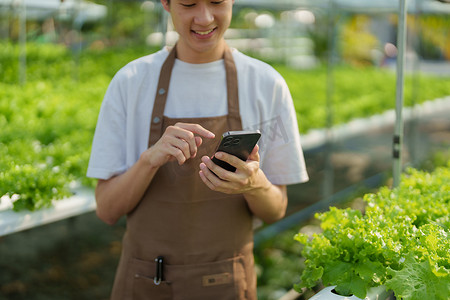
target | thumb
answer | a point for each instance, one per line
(255, 154)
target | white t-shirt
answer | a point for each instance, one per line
(197, 90)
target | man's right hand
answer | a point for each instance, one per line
(120, 194)
(179, 142)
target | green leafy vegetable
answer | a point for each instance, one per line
(402, 241)
(48, 123)
(418, 281)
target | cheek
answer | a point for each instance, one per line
(225, 19)
(180, 22)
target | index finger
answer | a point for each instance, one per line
(196, 128)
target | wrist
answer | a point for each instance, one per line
(263, 185)
(146, 162)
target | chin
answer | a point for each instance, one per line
(205, 47)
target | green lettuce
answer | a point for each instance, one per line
(402, 241)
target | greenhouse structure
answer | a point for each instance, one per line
(370, 82)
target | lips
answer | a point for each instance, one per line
(204, 33)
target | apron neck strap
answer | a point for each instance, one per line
(234, 118)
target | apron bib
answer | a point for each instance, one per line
(205, 237)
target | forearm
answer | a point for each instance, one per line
(119, 195)
(267, 202)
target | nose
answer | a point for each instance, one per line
(204, 15)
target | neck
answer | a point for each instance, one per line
(199, 57)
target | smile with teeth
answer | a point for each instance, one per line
(204, 32)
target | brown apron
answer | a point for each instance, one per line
(205, 237)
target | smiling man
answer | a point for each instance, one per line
(201, 26)
(190, 222)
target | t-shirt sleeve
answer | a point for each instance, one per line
(282, 161)
(108, 154)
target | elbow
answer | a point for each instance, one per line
(275, 217)
(278, 212)
(108, 219)
(104, 210)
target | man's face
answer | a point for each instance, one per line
(201, 25)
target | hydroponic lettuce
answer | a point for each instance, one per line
(47, 124)
(43, 143)
(372, 95)
(402, 241)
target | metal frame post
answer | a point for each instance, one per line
(398, 133)
(22, 42)
(328, 180)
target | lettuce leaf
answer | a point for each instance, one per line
(417, 281)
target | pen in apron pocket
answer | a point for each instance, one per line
(159, 270)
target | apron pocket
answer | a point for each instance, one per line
(145, 289)
(224, 279)
(143, 285)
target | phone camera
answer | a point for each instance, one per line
(231, 141)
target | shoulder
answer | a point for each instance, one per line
(249, 65)
(256, 74)
(259, 78)
(142, 67)
(138, 76)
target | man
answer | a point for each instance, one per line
(189, 222)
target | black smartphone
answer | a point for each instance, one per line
(237, 143)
